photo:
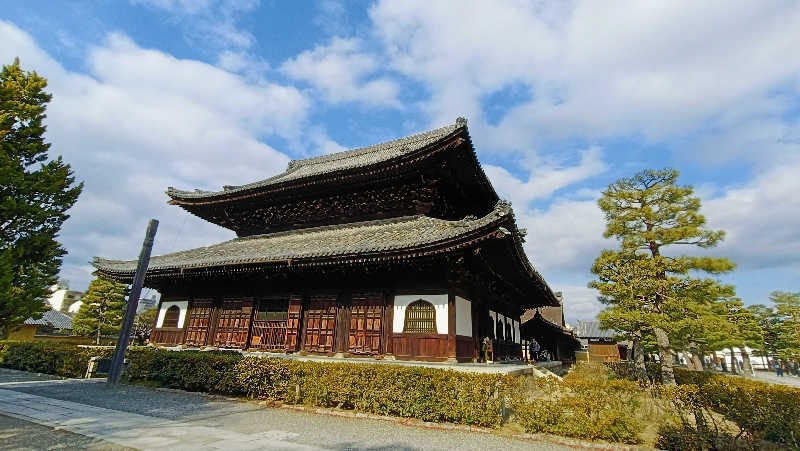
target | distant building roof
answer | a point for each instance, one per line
(592, 329)
(54, 318)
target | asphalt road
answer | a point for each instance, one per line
(238, 417)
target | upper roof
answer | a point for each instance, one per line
(350, 159)
(592, 329)
(59, 320)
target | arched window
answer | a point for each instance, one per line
(171, 317)
(500, 331)
(420, 318)
(509, 332)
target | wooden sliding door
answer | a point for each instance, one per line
(233, 324)
(366, 323)
(198, 322)
(320, 320)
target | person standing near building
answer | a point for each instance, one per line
(533, 350)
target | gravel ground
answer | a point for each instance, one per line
(247, 417)
(20, 435)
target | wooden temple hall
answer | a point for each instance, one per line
(398, 250)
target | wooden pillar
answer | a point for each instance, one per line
(342, 329)
(388, 324)
(212, 329)
(451, 326)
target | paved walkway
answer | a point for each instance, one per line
(143, 418)
(772, 378)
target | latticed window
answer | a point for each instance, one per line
(171, 317)
(420, 318)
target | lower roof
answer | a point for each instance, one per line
(364, 242)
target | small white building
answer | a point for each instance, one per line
(62, 299)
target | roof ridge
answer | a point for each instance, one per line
(294, 164)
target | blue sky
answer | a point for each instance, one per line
(562, 99)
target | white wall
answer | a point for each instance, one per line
(439, 302)
(517, 338)
(494, 321)
(183, 305)
(463, 317)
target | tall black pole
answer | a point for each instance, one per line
(133, 302)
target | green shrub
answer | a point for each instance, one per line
(627, 370)
(46, 357)
(684, 376)
(761, 412)
(589, 403)
(423, 393)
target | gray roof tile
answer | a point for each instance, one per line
(59, 320)
(319, 242)
(364, 156)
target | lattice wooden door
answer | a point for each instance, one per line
(269, 324)
(320, 325)
(366, 325)
(233, 324)
(198, 322)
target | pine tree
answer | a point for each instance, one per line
(35, 193)
(102, 310)
(650, 214)
(787, 309)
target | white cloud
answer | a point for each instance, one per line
(343, 72)
(653, 69)
(142, 120)
(580, 302)
(545, 178)
(760, 218)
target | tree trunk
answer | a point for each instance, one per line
(698, 361)
(665, 356)
(97, 342)
(748, 368)
(734, 369)
(638, 358)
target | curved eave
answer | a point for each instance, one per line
(266, 188)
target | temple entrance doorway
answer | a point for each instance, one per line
(270, 321)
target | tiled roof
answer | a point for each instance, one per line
(54, 318)
(364, 156)
(354, 239)
(592, 329)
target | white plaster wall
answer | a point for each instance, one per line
(439, 302)
(75, 307)
(463, 317)
(517, 338)
(493, 315)
(183, 305)
(56, 299)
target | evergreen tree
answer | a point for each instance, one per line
(102, 310)
(35, 193)
(650, 214)
(787, 309)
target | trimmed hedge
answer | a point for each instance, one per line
(424, 393)
(64, 360)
